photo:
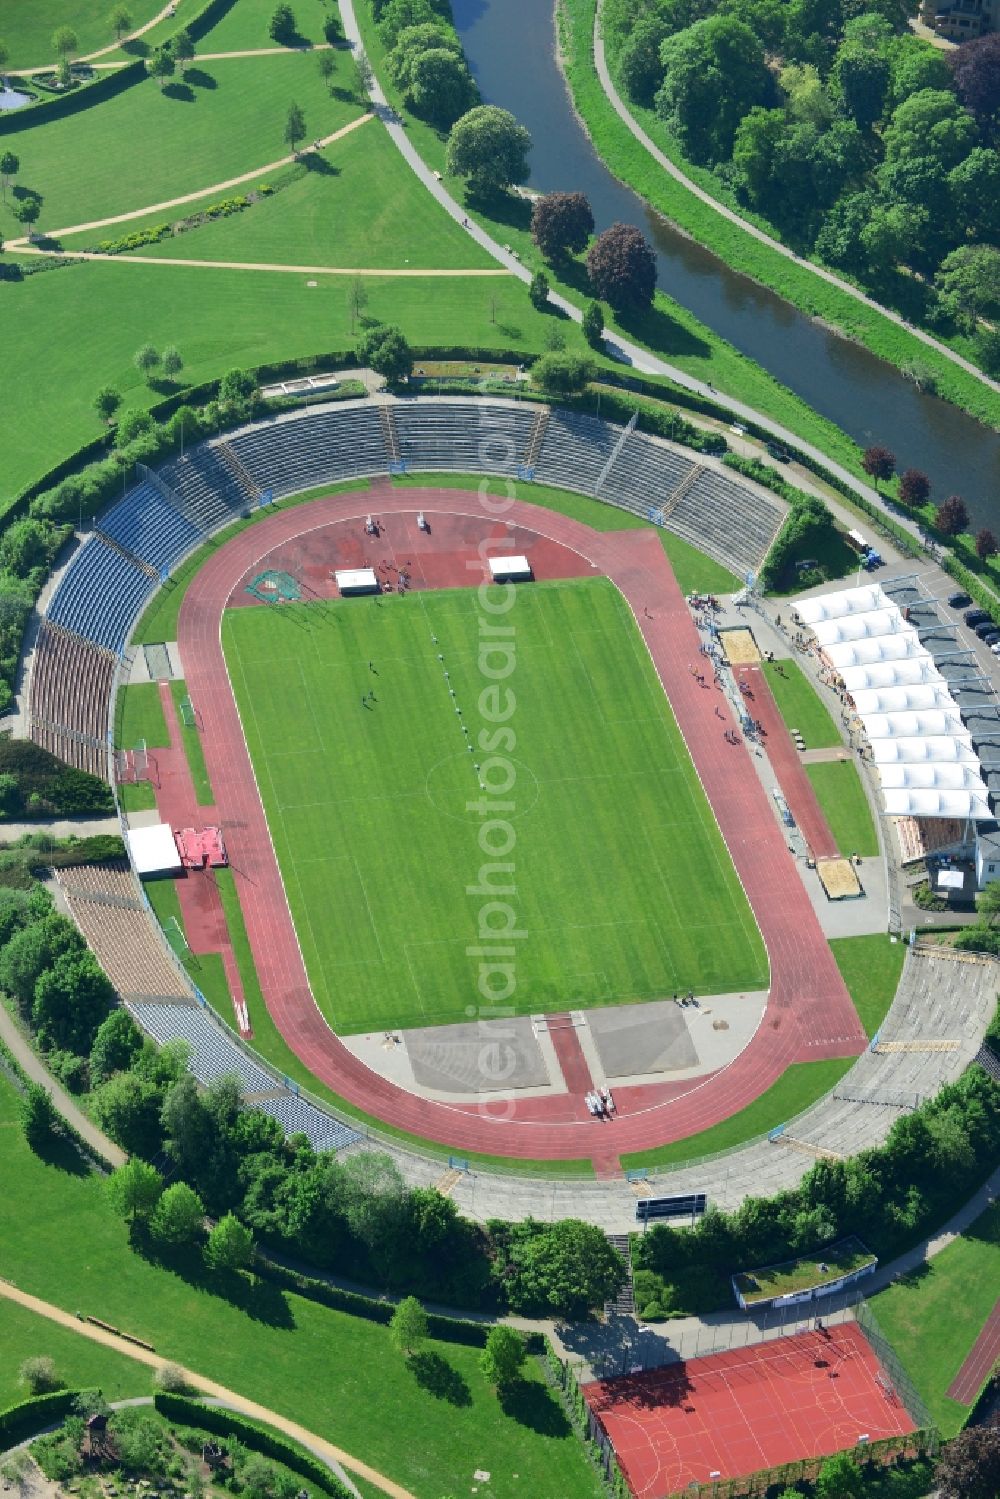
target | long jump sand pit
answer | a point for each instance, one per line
(740, 647)
(839, 879)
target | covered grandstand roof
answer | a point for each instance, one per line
(916, 736)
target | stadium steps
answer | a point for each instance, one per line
(447, 1183)
(623, 1304)
(889, 1098)
(930, 1043)
(989, 1062)
(176, 1001)
(952, 955)
(74, 637)
(116, 546)
(674, 498)
(537, 437)
(806, 1147)
(102, 897)
(389, 432)
(239, 471)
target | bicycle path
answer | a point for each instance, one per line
(327, 1451)
(830, 277)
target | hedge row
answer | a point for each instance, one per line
(28, 1417)
(227, 1423)
(445, 1329)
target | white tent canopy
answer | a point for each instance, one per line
(874, 625)
(911, 725)
(843, 603)
(911, 673)
(916, 699)
(949, 777)
(930, 749)
(901, 647)
(931, 803)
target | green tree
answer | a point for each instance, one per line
(117, 1042)
(127, 1107)
(180, 1215)
(566, 1268)
(640, 66)
(238, 390)
(64, 72)
(172, 362)
(357, 301)
(138, 1442)
(385, 350)
(914, 65)
(538, 290)
(161, 65)
(120, 20)
(27, 212)
(489, 148)
(561, 224)
(38, 1116)
(714, 73)
(64, 41)
(560, 373)
(621, 268)
(365, 72)
(132, 424)
(806, 98)
(40, 1375)
(134, 1190)
(295, 127)
(930, 125)
(9, 167)
(70, 1001)
(4, 57)
(107, 402)
(861, 82)
(975, 187)
(327, 67)
(282, 28)
(182, 48)
(840, 1478)
(32, 950)
(593, 324)
(408, 1328)
(988, 902)
(503, 1357)
(441, 87)
(230, 1245)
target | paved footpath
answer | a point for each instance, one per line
(71, 1112)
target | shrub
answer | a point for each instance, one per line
(40, 1375)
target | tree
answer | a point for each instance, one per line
(64, 42)
(128, 1108)
(567, 1268)
(161, 65)
(975, 69)
(970, 276)
(878, 463)
(327, 67)
(366, 74)
(840, 1478)
(806, 98)
(180, 1215)
(27, 212)
(563, 374)
(502, 1358)
(489, 148)
(33, 949)
(914, 487)
(952, 516)
(969, 1465)
(147, 361)
(861, 82)
(988, 902)
(622, 268)
(408, 1327)
(238, 390)
(295, 127)
(172, 362)
(4, 57)
(538, 290)
(385, 350)
(107, 402)
(230, 1245)
(38, 1116)
(40, 1375)
(357, 301)
(930, 125)
(639, 62)
(134, 1190)
(561, 224)
(71, 999)
(137, 1442)
(117, 1042)
(915, 65)
(64, 73)
(9, 167)
(593, 324)
(182, 48)
(282, 28)
(986, 544)
(441, 87)
(714, 73)
(120, 20)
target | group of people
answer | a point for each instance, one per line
(600, 1103)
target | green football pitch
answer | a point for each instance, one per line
(624, 889)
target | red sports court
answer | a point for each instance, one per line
(738, 1412)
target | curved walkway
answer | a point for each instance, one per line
(32, 1067)
(809, 1015)
(619, 348)
(229, 1398)
(298, 270)
(662, 160)
(161, 15)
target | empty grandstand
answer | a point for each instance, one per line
(70, 692)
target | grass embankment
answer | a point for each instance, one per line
(668, 329)
(28, 29)
(391, 950)
(802, 1084)
(871, 968)
(632, 163)
(323, 1368)
(934, 1315)
(845, 806)
(800, 705)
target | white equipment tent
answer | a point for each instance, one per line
(842, 604)
(901, 647)
(916, 699)
(509, 569)
(929, 749)
(153, 850)
(913, 725)
(356, 580)
(957, 805)
(874, 625)
(912, 673)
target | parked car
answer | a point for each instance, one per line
(958, 600)
(995, 647)
(988, 631)
(975, 617)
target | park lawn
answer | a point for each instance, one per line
(366, 805)
(245, 25)
(218, 319)
(695, 572)
(224, 119)
(191, 740)
(80, 1364)
(870, 967)
(139, 716)
(798, 1087)
(362, 208)
(328, 1370)
(800, 705)
(934, 1315)
(27, 27)
(842, 799)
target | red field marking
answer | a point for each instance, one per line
(784, 757)
(980, 1362)
(738, 1412)
(809, 1014)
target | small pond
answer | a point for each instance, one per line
(11, 99)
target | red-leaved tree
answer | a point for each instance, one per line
(561, 224)
(878, 463)
(986, 544)
(914, 487)
(952, 516)
(622, 268)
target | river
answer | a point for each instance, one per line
(510, 45)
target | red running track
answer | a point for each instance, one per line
(982, 1359)
(746, 1410)
(809, 1013)
(784, 757)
